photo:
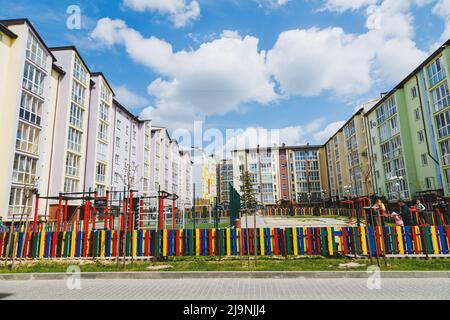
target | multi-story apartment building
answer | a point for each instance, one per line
(209, 178)
(348, 159)
(130, 152)
(339, 181)
(185, 181)
(65, 133)
(279, 172)
(262, 165)
(434, 84)
(98, 161)
(159, 167)
(71, 124)
(409, 130)
(224, 179)
(307, 173)
(28, 81)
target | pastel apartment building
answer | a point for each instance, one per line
(64, 132)
(348, 159)
(409, 131)
(29, 84)
(290, 173)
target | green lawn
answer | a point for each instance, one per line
(235, 264)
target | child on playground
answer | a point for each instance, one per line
(398, 219)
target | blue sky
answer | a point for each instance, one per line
(299, 66)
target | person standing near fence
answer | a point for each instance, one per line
(422, 211)
(404, 212)
(2, 229)
(380, 210)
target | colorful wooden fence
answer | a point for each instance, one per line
(296, 212)
(300, 241)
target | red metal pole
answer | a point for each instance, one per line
(161, 212)
(141, 210)
(66, 209)
(87, 209)
(122, 217)
(94, 221)
(106, 211)
(173, 213)
(130, 216)
(58, 218)
(36, 210)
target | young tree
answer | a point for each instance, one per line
(250, 204)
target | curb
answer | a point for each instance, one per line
(227, 275)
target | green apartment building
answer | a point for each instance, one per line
(409, 133)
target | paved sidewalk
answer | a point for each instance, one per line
(228, 289)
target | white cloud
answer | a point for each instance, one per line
(251, 137)
(215, 79)
(325, 134)
(272, 3)
(344, 5)
(128, 98)
(307, 62)
(442, 9)
(180, 12)
(225, 73)
(311, 61)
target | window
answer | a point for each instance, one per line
(417, 114)
(119, 124)
(134, 150)
(445, 148)
(79, 72)
(78, 93)
(33, 79)
(27, 138)
(70, 185)
(74, 140)
(101, 190)
(424, 159)
(24, 169)
(30, 109)
(76, 116)
(19, 201)
(72, 165)
(413, 92)
(443, 124)
(436, 71)
(117, 142)
(103, 131)
(117, 159)
(421, 136)
(441, 97)
(447, 177)
(105, 94)
(101, 151)
(116, 177)
(100, 173)
(104, 112)
(35, 52)
(429, 183)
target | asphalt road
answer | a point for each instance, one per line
(228, 289)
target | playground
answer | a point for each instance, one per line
(129, 226)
